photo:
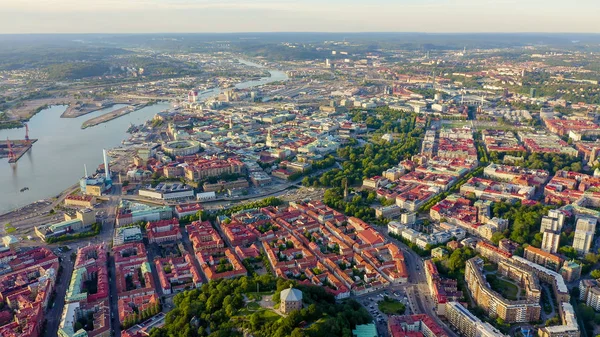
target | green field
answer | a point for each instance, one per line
(504, 287)
(9, 228)
(391, 307)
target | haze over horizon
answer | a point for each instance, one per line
(204, 16)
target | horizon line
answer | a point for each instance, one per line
(309, 32)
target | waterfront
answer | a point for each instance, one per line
(56, 161)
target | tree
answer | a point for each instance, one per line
(568, 251)
(592, 258)
(595, 273)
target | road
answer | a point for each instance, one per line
(54, 313)
(418, 294)
(114, 309)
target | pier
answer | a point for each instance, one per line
(15, 149)
(111, 115)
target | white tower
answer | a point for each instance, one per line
(107, 179)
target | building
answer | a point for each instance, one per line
(439, 252)
(91, 271)
(468, 324)
(222, 186)
(559, 287)
(442, 290)
(550, 241)
(10, 242)
(206, 196)
(365, 330)
(516, 175)
(202, 168)
(414, 326)
(143, 329)
(163, 231)
(542, 258)
(496, 191)
(58, 229)
(389, 212)
(183, 210)
(515, 311)
(491, 252)
(220, 264)
(80, 200)
(73, 312)
(570, 271)
(176, 274)
(589, 293)
(291, 300)
(584, 235)
(127, 234)
(27, 280)
(130, 212)
(204, 237)
(569, 327)
(98, 184)
(167, 191)
(181, 148)
(85, 215)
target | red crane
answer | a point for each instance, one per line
(27, 133)
(11, 154)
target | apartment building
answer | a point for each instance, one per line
(493, 303)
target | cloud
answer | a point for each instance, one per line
(147, 5)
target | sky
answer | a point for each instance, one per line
(198, 16)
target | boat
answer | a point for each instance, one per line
(24, 189)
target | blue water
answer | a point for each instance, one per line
(56, 160)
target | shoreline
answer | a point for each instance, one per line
(51, 199)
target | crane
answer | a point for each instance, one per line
(11, 154)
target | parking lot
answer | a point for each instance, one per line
(370, 302)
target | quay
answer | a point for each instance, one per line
(111, 115)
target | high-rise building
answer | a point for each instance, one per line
(553, 222)
(589, 293)
(584, 235)
(550, 241)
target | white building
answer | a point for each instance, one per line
(550, 241)
(584, 235)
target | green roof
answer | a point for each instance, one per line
(365, 330)
(146, 268)
(74, 293)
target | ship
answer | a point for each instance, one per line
(24, 189)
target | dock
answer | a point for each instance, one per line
(19, 148)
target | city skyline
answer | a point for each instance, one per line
(187, 16)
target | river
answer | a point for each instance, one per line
(56, 160)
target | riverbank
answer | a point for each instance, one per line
(11, 125)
